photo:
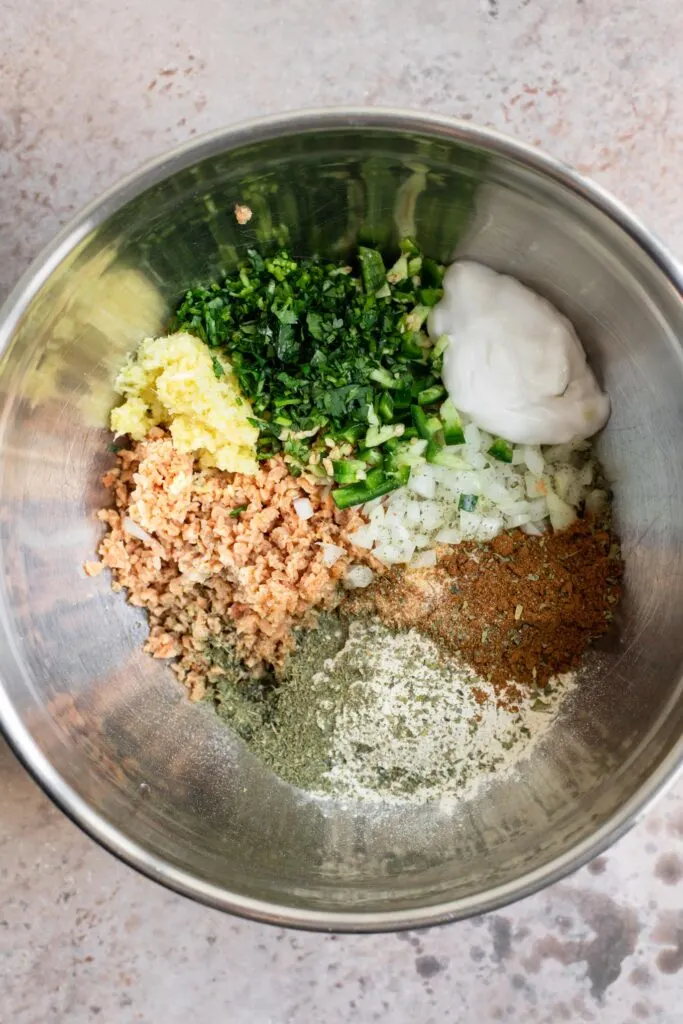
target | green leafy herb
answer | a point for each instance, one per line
(317, 347)
(238, 510)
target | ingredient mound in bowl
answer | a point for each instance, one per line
(381, 598)
(178, 383)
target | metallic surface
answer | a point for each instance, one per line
(108, 732)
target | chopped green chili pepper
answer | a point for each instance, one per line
(452, 424)
(379, 435)
(440, 456)
(358, 494)
(431, 395)
(501, 450)
(349, 471)
(386, 408)
(467, 502)
(426, 426)
(370, 456)
(325, 351)
(408, 247)
(372, 269)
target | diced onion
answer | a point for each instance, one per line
(562, 515)
(596, 502)
(431, 515)
(536, 486)
(134, 529)
(423, 540)
(303, 508)
(370, 506)
(412, 513)
(449, 535)
(393, 554)
(564, 481)
(377, 517)
(469, 524)
(475, 458)
(490, 527)
(517, 520)
(422, 484)
(538, 509)
(518, 458)
(476, 497)
(494, 489)
(534, 459)
(473, 436)
(358, 577)
(423, 560)
(331, 553)
(363, 537)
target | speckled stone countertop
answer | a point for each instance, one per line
(87, 92)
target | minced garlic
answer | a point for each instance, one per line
(178, 383)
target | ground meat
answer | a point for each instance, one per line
(223, 550)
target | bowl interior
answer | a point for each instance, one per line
(110, 730)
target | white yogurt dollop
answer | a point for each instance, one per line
(513, 363)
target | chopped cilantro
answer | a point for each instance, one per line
(315, 345)
(238, 510)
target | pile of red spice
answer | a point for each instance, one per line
(519, 610)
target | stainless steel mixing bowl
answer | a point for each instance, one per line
(108, 732)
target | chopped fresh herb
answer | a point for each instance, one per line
(238, 510)
(337, 365)
(314, 345)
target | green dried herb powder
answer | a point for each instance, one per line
(363, 711)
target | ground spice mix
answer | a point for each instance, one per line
(520, 609)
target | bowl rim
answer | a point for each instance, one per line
(224, 140)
